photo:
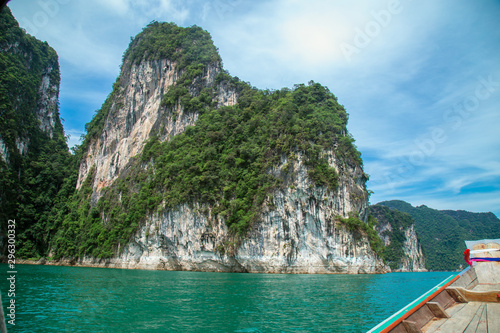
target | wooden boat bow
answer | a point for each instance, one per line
(466, 302)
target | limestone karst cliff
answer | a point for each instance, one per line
(188, 168)
(298, 232)
(136, 112)
(30, 88)
(137, 107)
(34, 159)
(403, 251)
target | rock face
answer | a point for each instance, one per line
(30, 90)
(44, 74)
(443, 232)
(298, 232)
(135, 112)
(397, 231)
(413, 260)
(4, 151)
(46, 111)
(285, 242)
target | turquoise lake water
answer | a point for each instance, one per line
(78, 299)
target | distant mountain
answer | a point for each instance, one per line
(442, 232)
(486, 224)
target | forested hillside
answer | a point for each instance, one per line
(442, 233)
(477, 225)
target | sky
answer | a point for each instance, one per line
(419, 79)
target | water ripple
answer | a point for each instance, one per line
(76, 299)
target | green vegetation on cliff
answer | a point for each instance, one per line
(354, 224)
(191, 49)
(399, 222)
(37, 172)
(223, 162)
(184, 46)
(442, 233)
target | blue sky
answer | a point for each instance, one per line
(420, 79)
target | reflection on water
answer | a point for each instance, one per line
(76, 299)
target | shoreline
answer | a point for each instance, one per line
(106, 263)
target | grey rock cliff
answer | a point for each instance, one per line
(46, 108)
(298, 232)
(397, 231)
(4, 151)
(135, 111)
(46, 111)
(414, 260)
